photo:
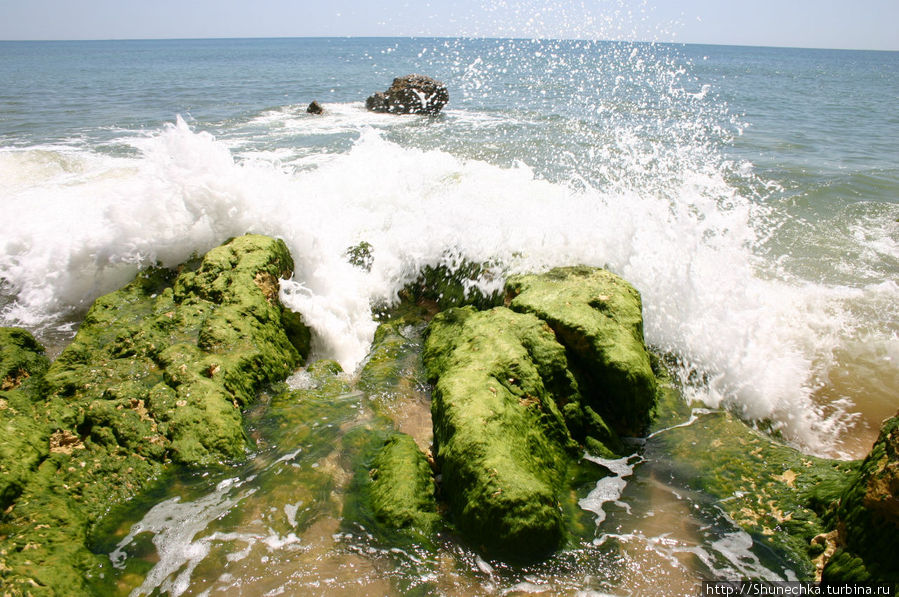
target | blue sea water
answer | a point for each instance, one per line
(750, 194)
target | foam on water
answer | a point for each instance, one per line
(78, 224)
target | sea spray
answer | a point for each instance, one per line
(557, 152)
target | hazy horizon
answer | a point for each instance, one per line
(828, 24)
(251, 37)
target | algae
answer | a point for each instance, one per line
(392, 494)
(774, 492)
(866, 519)
(501, 443)
(519, 391)
(598, 317)
(26, 443)
(157, 374)
(454, 282)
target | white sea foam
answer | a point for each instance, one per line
(608, 489)
(77, 224)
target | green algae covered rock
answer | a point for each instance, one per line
(777, 494)
(402, 487)
(158, 373)
(25, 441)
(598, 317)
(500, 440)
(21, 357)
(163, 366)
(392, 494)
(866, 520)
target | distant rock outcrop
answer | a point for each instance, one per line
(315, 108)
(412, 94)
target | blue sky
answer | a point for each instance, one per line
(860, 24)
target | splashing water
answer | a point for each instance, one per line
(551, 153)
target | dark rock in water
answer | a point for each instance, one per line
(361, 255)
(377, 102)
(315, 108)
(412, 94)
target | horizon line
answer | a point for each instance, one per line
(466, 37)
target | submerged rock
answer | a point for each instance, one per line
(412, 94)
(392, 493)
(158, 373)
(778, 495)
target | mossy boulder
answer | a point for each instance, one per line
(392, 494)
(598, 317)
(166, 363)
(866, 520)
(157, 373)
(500, 439)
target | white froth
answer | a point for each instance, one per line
(608, 489)
(78, 224)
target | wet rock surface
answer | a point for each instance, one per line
(411, 94)
(157, 374)
(598, 317)
(509, 408)
(866, 519)
(164, 377)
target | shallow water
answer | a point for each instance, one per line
(279, 524)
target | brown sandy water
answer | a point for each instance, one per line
(872, 378)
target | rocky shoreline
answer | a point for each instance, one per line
(161, 373)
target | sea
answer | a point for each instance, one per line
(751, 195)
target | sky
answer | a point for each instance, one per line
(860, 24)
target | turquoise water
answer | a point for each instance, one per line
(750, 194)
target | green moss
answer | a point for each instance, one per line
(598, 317)
(22, 360)
(157, 373)
(775, 493)
(402, 487)
(867, 516)
(500, 438)
(25, 441)
(392, 494)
